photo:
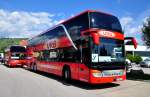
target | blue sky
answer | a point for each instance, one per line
(25, 18)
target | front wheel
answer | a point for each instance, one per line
(31, 66)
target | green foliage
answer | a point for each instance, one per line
(130, 57)
(6, 42)
(146, 32)
(135, 58)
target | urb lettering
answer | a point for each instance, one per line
(51, 44)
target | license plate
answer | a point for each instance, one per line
(108, 73)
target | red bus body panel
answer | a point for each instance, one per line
(98, 80)
(79, 71)
(13, 63)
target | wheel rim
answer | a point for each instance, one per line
(66, 74)
(31, 67)
(34, 67)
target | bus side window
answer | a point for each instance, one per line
(60, 55)
(40, 55)
(53, 54)
(86, 57)
(69, 55)
(77, 56)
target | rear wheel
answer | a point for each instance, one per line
(31, 66)
(67, 75)
(35, 67)
(8, 64)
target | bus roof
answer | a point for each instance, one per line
(87, 11)
(8, 48)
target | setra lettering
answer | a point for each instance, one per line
(107, 33)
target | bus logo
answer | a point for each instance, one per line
(106, 33)
(51, 44)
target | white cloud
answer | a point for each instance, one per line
(130, 26)
(24, 24)
(126, 21)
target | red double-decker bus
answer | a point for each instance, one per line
(88, 47)
(15, 56)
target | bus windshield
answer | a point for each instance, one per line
(17, 49)
(110, 50)
(104, 21)
(18, 56)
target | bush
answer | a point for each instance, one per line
(136, 58)
(130, 57)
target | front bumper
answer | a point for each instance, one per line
(107, 78)
(17, 63)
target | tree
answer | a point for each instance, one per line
(130, 57)
(6, 42)
(146, 32)
(136, 58)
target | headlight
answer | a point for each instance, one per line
(108, 73)
(96, 73)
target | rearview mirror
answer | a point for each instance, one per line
(133, 40)
(95, 38)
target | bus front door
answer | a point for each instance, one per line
(83, 68)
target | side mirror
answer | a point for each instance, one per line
(95, 37)
(94, 34)
(133, 40)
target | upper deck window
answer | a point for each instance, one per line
(17, 49)
(77, 24)
(104, 21)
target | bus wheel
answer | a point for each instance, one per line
(35, 67)
(9, 65)
(67, 74)
(31, 66)
(5, 63)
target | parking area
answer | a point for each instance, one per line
(18, 82)
(146, 70)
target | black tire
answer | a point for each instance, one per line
(31, 67)
(8, 65)
(67, 75)
(4, 63)
(131, 71)
(141, 72)
(34, 68)
(22, 66)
